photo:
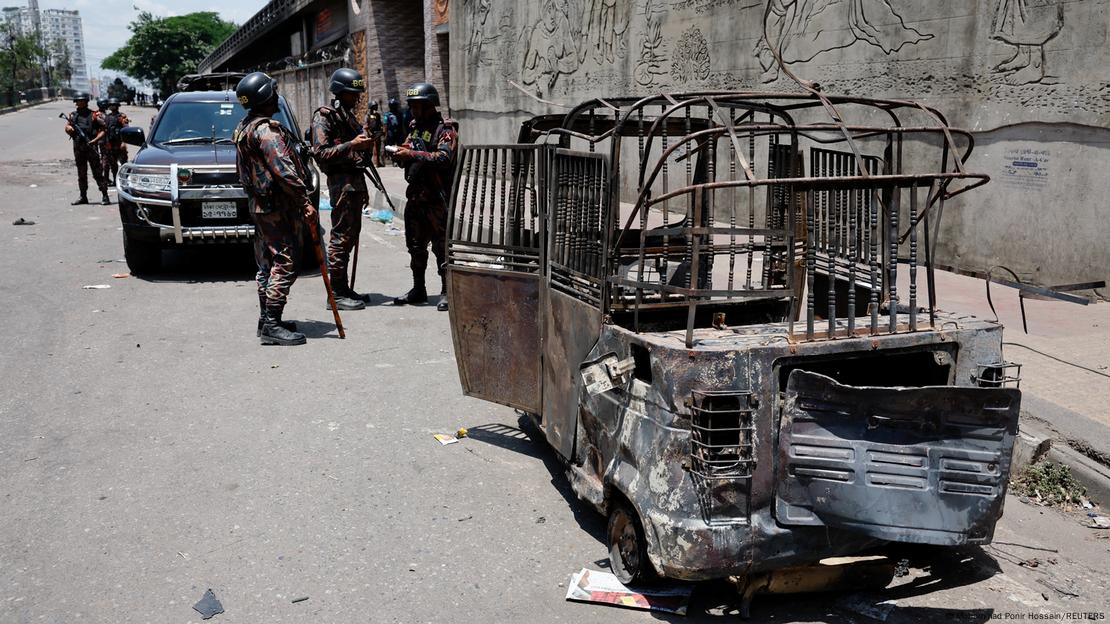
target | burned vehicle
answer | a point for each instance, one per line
(182, 188)
(720, 310)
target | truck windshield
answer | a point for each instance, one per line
(202, 122)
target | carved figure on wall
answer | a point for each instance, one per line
(603, 25)
(1027, 25)
(690, 60)
(477, 14)
(801, 30)
(551, 49)
(649, 63)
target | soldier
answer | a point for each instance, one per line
(375, 130)
(114, 151)
(339, 147)
(428, 156)
(86, 129)
(273, 176)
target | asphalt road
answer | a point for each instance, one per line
(150, 449)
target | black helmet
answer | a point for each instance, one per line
(393, 103)
(423, 91)
(113, 101)
(102, 103)
(347, 80)
(374, 105)
(81, 96)
(255, 89)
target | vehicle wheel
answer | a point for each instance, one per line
(627, 547)
(141, 256)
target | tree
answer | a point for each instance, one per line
(19, 60)
(61, 62)
(163, 49)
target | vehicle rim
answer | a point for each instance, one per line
(624, 546)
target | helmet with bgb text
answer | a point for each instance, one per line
(422, 91)
(255, 89)
(346, 80)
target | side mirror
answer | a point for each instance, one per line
(132, 135)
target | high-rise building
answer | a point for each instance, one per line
(55, 25)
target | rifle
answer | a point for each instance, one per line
(81, 136)
(315, 232)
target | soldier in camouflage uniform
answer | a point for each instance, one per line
(113, 151)
(273, 175)
(428, 156)
(87, 130)
(340, 147)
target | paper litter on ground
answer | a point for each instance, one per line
(603, 587)
(95, 286)
(445, 439)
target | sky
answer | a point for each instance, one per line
(105, 21)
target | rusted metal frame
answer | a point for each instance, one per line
(930, 276)
(717, 229)
(513, 249)
(853, 256)
(811, 262)
(489, 155)
(641, 264)
(858, 182)
(461, 207)
(913, 259)
(503, 179)
(724, 295)
(751, 204)
(694, 247)
(645, 185)
(453, 214)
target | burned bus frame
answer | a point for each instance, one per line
(710, 304)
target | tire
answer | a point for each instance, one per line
(142, 256)
(628, 557)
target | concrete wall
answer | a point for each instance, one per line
(1027, 76)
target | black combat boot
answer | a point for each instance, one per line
(442, 305)
(273, 333)
(83, 199)
(345, 298)
(104, 199)
(289, 325)
(418, 294)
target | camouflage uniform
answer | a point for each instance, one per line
(86, 154)
(433, 144)
(113, 152)
(273, 176)
(332, 131)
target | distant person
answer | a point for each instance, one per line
(86, 129)
(375, 130)
(114, 151)
(273, 176)
(394, 131)
(339, 146)
(428, 156)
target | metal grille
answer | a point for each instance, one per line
(577, 227)
(722, 435)
(497, 217)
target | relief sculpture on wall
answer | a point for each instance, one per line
(1026, 25)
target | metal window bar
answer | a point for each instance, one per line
(722, 438)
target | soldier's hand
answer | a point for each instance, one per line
(69, 130)
(361, 143)
(402, 153)
(309, 211)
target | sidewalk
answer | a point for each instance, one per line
(1060, 400)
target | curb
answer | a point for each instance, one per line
(1034, 443)
(19, 107)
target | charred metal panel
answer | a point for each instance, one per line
(572, 329)
(923, 465)
(496, 327)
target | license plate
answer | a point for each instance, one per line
(218, 210)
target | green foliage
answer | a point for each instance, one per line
(61, 63)
(1049, 484)
(19, 61)
(163, 49)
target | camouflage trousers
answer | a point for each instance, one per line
(277, 250)
(111, 156)
(426, 222)
(88, 157)
(346, 225)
